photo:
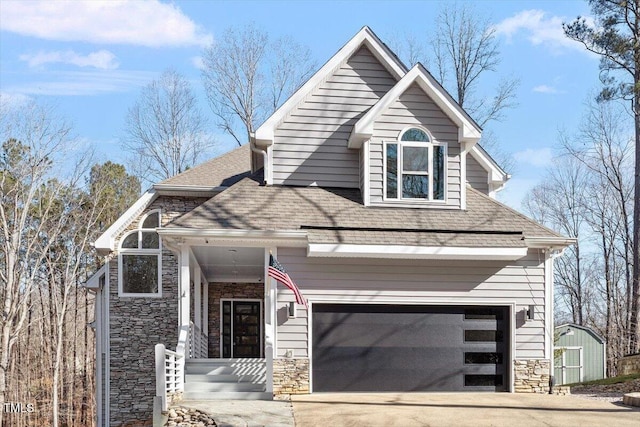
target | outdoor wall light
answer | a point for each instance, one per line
(291, 309)
(529, 313)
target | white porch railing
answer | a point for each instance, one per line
(169, 375)
(198, 343)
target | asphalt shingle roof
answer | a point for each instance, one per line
(336, 215)
(222, 171)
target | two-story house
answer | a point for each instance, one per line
(369, 187)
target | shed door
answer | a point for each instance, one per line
(569, 365)
(409, 348)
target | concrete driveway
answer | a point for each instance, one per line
(458, 409)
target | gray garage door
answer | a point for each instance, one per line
(409, 348)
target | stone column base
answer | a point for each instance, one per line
(532, 375)
(290, 376)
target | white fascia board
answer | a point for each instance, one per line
(93, 282)
(497, 176)
(363, 128)
(257, 238)
(106, 242)
(414, 252)
(265, 133)
(549, 242)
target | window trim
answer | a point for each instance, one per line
(140, 251)
(430, 144)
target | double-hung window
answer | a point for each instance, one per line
(415, 167)
(140, 259)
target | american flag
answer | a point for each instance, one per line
(277, 271)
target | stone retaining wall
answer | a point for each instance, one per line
(290, 376)
(532, 376)
(629, 365)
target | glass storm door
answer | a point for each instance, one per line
(241, 329)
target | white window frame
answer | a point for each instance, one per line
(140, 251)
(399, 167)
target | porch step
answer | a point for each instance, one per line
(238, 395)
(216, 386)
(225, 379)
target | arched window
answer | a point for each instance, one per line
(140, 259)
(415, 167)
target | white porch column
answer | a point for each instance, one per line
(185, 298)
(197, 297)
(205, 312)
(269, 319)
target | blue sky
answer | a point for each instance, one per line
(91, 58)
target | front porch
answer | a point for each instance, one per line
(225, 348)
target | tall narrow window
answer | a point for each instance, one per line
(140, 259)
(415, 167)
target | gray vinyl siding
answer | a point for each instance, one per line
(416, 282)
(310, 146)
(477, 176)
(415, 108)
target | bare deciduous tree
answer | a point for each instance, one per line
(465, 49)
(165, 130)
(247, 77)
(592, 186)
(614, 35)
(33, 136)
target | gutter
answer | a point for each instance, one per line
(559, 243)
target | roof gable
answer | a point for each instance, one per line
(469, 131)
(264, 135)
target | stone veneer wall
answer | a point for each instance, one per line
(138, 324)
(290, 376)
(629, 365)
(532, 376)
(218, 291)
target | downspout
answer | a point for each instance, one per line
(252, 146)
(553, 254)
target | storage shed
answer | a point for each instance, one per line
(580, 354)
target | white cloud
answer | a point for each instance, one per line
(514, 192)
(539, 158)
(198, 62)
(82, 83)
(540, 29)
(102, 59)
(144, 23)
(551, 90)
(8, 99)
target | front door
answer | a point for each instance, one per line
(241, 329)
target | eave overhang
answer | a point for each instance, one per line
(552, 243)
(187, 190)
(340, 250)
(106, 242)
(256, 238)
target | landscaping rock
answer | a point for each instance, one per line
(189, 417)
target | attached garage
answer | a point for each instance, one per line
(376, 347)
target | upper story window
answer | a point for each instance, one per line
(415, 167)
(140, 258)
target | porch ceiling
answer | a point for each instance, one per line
(230, 264)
